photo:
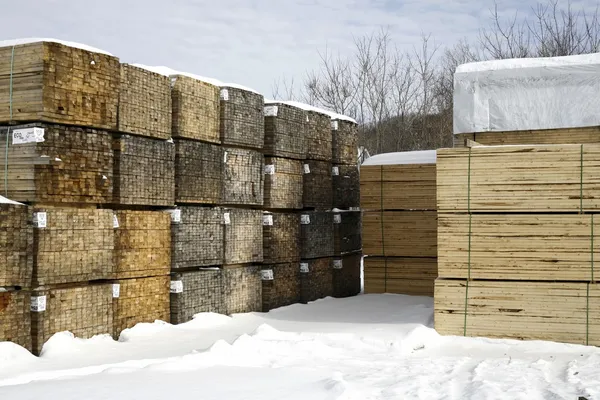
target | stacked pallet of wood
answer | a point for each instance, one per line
(15, 318)
(198, 172)
(16, 245)
(346, 186)
(316, 279)
(347, 232)
(346, 275)
(144, 172)
(317, 185)
(193, 292)
(243, 177)
(280, 285)
(318, 136)
(344, 141)
(398, 199)
(285, 128)
(243, 236)
(242, 289)
(242, 120)
(281, 237)
(516, 248)
(316, 234)
(283, 184)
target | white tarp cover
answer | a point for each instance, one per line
(525, 94)
(403, 157)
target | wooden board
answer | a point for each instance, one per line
(243, 177)
(281, 238)
(52, 82)
(84, 311)
(196, 109)
(70, 165)
(198, 172)
(140, 300)
(285, 128)
(283, 183)
(243, 236)
(346, 275)
(144, 103)
(519, 247)
(317, 283)
(346, 186)
(317, 185)
(347, 232)
(589, 134)
(555, 311)
(142, 244)
(400, 275)
(16, 246)
(195, 292)
(72, 245)
(545, 178)
(196, 237)
(318, 136)
(144, 172)
(15, 318)
(242, 289)
(398, 187)
(284, 289)
(242, 120)
(400, 233)
(344, 147)
(316, 234)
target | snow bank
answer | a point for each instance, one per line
(11, 353)
(526, 94)
(16, 42)
(4, 200)
(308, 107)
(403, 157)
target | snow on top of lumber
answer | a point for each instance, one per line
(16, 42)
(308, 107)
(403, 157)
(166, 71)
(518, 63)
(4, 200)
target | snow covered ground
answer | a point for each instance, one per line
(366, 347)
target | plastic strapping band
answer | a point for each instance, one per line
(10, 108)
(587, 305)
(382, 234)
(469, 248)
(581, 181)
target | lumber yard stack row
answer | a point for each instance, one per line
(136, 194)
(517, 223)
(398, 199)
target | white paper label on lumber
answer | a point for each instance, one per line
(305, 219)
(116, 289)
(337, 264)
(224, 94)
(115, 221)
(306, 169)
(304, 268)
(335, 171)
(271, 111)
(176, 287)
(225, 157)
(334, 125)
(39, 219)
(28, 135)
(266, 274)
(354, 208)
(269, 169)
(337, 218)
(226, 218)
(175, 215)
(38, 303)
(268, 220)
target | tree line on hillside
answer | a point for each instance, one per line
(402, 100)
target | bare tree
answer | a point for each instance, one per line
(511, 39)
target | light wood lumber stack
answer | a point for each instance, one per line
(16, 246)
(198, 172)
(346, 186)
(242, 120)
(346, 275)
(317, 283)
(15, 318)
(144, 171)
(281, 238)
(283, 183)
(579, 135)
(243, 177)
(243, 233)
(281, 286)
(316, 234)
(51, 82)
(317, 185)
(405, 275)
(285, 128)
(144, 103)
(318, 136)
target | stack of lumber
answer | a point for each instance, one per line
(57, 164)
(243, 243)
(242, 120)
(243, 177)
(198, 172)
(280, 285)
(347, 237)
(346, 186)
(285, 128)
(193, 292)
(144, 172)
(346, 275)
(52, 82)
(317, 185)
(316, 234)
(399, 226)
(318, 136)
(283, 183)
(196, 237)
(196, 109)
(516, 248)
(316, 279)
(144, 103)
(281, 237)
(84, 310)
(15, 318)
(579, 135)
(16, 245)
(242, 289)
(344, 141)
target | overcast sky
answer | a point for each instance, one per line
(250, 42)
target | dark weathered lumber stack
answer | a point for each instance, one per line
(16, 245)
(144, 172)
(57, 164)
(283, 183)
(242, 120)
(243, 177)
(317, 185)
(280, 285)
(318, 136)
(243, 234)
(84, 310)
(197, 237)
(195, 292)
(15, 318)
(281, 237)
(242, 289)
(316, 234)
(344, 146)
(285, 128)
(316, 279)
(347, 232)
(144, 103)
(46, 81)
(198, 172)
(346, 275)
(346, 186)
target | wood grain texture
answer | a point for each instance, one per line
(242, 119)
(15, 318)
(144, 172)
(51, 82)
(316, 234)
(347, 232)
(317, 185)
(243, 236)
(284, 289)
(346, 186)
(589, 134)
(243, 177)
(242, 288)
(401, 275)
(283, 183)
(346, 275)
(202, 292)
(317, 283)
(281, 238)
(318, 136)
(344, 144)
(554, 311)
(285, 132)
(198, 172)
(71, 165)
(144, 103)
(16, 246)
(142, 244)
